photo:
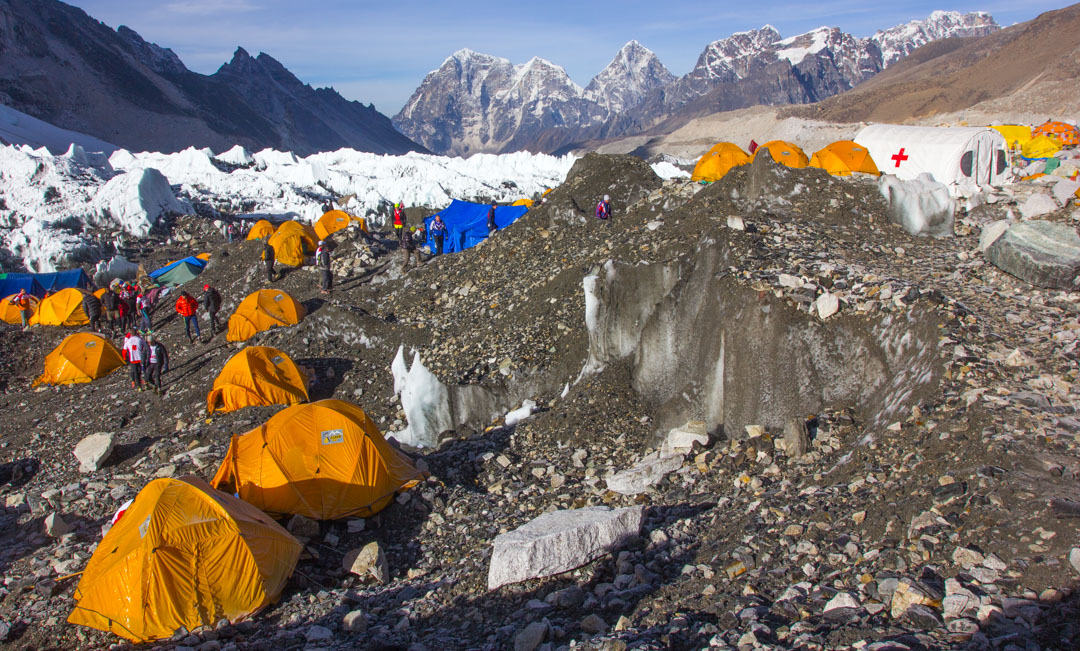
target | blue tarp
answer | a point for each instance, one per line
(192, 260)
(466, 223)
(39, 284)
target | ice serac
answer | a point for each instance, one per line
(135, 200)
(921, 206)
(560, 541)
(1045, 254)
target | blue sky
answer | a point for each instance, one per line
(379, 52)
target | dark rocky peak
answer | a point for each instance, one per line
(159, 59)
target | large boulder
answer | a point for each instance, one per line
(560, 541)
(921, 206)
(1045, 254)
(93, 451)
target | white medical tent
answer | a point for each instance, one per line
(963, 158)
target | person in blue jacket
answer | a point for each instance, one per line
(603, 209)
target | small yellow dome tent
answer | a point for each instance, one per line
(10, 314)
(718, 161)
(1063, 132)
(257, 375)
(1016, 135)
(261, 229)
(262, 310)
(1040, 147)
(325, 460)
(64, 308)
(292, 241)
(843, 157)
(81, 357)
(528, 203)
(331, 222)
(784, 153)
(183, 555)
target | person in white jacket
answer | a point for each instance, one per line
(134, 352)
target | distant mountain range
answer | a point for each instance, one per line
(480, 103)
(60, 65)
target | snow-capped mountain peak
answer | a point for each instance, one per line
(900, 41)
(633, 72)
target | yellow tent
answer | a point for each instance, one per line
(81, 357)
(100, 292)
(325, 460)
(330, 223)
(844, 157)
(64, 308)
(1063, 132)
(718, 161)
(528, 203)
(257, 375)
(205, 257)
(1040, 147)
(784, 153)
(260, 230)
(183, 555)
(263, 310)
(10, 314)
(1016, 135)
(292, 241)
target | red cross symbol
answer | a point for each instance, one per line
(900, 157)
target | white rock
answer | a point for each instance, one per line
(827, 305)
(355, 622)
(735, 223)
(94, 450)
(1065, 191)
(1074, 559)
(991, 232)
(1037, 205)
(643, 474)
(55, 526)
(560, 541)
(681, 440)
(787, 280)
(841, 600)
(367, 562)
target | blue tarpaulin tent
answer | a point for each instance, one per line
(39, 284)
(466, 223)
(179, 272)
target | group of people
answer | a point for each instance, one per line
(122, 306)
(147, 358)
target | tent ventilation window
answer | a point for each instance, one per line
(965, 162)
(1002, 162)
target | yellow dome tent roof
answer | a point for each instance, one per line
(205, 257)
(81, 357)
(292, 241)
(1063, 132)
(843, 157)
(183, 555)
(718, 161)
(784, 153)
(528, 203)
(262, 310)
(1014, 134)
(257, 375)
(1040, 147)
(262, 229)
(325, 460)
(10, 314)
(331, 222)
(64, 308)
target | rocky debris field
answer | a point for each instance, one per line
(875, 447)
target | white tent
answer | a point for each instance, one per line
(963, 158)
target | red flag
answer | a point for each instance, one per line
(753, 146)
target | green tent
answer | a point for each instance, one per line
(179, 274)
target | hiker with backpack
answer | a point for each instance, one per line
(603, 208)
(268, 259)
(157, 357)
(187, 306)
(438, 233)
(92, 307)
(212, 303)
(400, 220)
(322, 261)
(408, 246)
(491, 219)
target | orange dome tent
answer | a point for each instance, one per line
(257, 375)
(10, 314)
(183, 555)
(784, 153)
(1063, 132)
(325, 460)
(718, 161)
(260, 230)
(292, 241)
(262, 310)
(843, 157)
(331, 222)
(64, 308)
(81, 357)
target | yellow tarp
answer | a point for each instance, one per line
(784, 153)
(844, 157)
(183, 555)
(330, 223)
(81, 357)
(10, 314)
(718, 161)
(325, 460)
(257, 375)
(1040, 147)
(261, 229)
(1015, 134)
(292, 241)
(1063, 132)
(64, 308)
(262, 310)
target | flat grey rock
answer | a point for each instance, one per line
(1045, 254)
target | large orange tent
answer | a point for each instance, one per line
(262, 310)
(64, 308)
(257, 375)
(292, 241)
(331, 222)
(80, 357)
(325, 460)
(1063, 132)
(784, 153)
(183, 555)
(844, 157)
(718, 161)
(10, 314)
(260, 230)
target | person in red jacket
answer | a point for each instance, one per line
(186, 306)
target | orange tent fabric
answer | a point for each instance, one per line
(262, 310)
(10, 314)
(64, 308)
(784, 153)
(331, 222)
(81, 357)
(183, 555)
(718, 161)
(1063, 132)
(257, 375)
(325, 460)
(292, 241)
(262, 229)
(844, 157)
